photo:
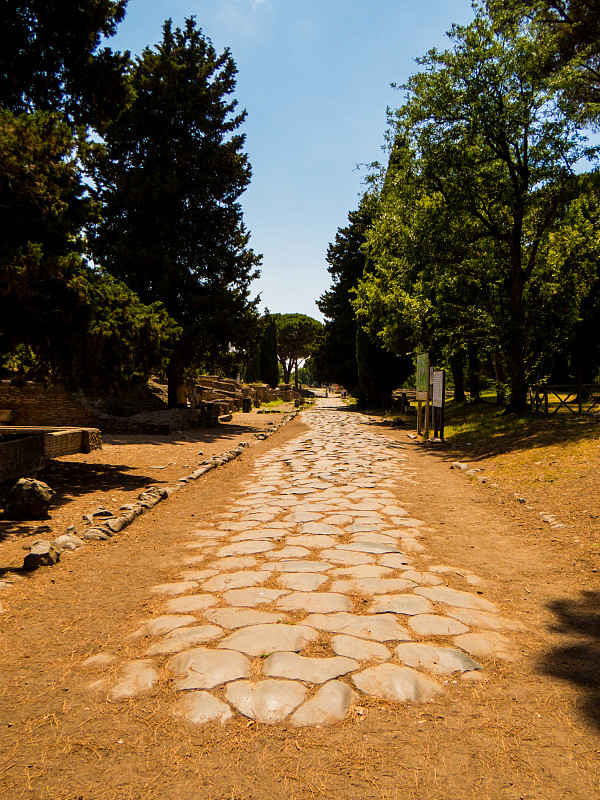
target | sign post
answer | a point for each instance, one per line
(422, 390)
(439, 396)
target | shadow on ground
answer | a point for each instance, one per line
(578, 659)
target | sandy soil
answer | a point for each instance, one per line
(126, 466)
(530, 732)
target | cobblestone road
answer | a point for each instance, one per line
(314, 591)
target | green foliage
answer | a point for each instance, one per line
(268, 364)
(481, 175)
(50, 59)
(170, 182)
(569, 33)
(60, 320)
(334, 351)
(295, 336)
(379, 372)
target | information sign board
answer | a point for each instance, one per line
(438, 389)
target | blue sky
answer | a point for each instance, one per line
(314, 77)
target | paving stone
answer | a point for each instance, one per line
(321, 529)
(289, 552)
(378, 627)
(233, 562)
(173, 588)
(371, 585)
(360, 649)
(271, 534)
(183, 638)
(245, 548)
(486, 645)
(398, 684)
(260, 640)
(302, 581)
(338, 519)
(347, 558)
(201, 668)
(166, 623)
(330, 704)
(455, 597)
(303, 668)
(303, 516)
(424, 578)
(242, 617)
(202, 707)
(379, 548)
(317, 602)
(439, 660)
(362, 571)
(99, 661)
(408, 604)
(137, 677)
(302, 566)
(308, 540)
(395, 561)
(269, 701)
(198, 574)
(436, 625)
(252, 597)
(483, 619)
(190, 603)
(236, 580)
(380, 538)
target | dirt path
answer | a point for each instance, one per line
(529, 729)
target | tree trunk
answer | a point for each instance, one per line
(500, 375)
(473, 362)
(515, 349)
(458, 376)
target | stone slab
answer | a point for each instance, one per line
(302, 581)
(315, 602)
(486, 645)
(269, 701)
(236, 580)
(408, 604)
(201, 668)
(436, 625)
(347, 558)
(136, 677)
(398, 684)
(242, 617)
(173, 588)
(252, 597)
(245, 548)
(303, 668)
(202, 707)
(360, 649)
(378, 627)
(190, 603)
(330, 704)
(260, 640)
(439, 660)
(183, 638)
(302, 566)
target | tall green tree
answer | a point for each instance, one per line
(60, 319)
(495, 144)
(170, 184)
(51, 59)
(268, 363)
(295, 336)
(334, 356)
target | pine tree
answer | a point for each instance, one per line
(170, 183)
